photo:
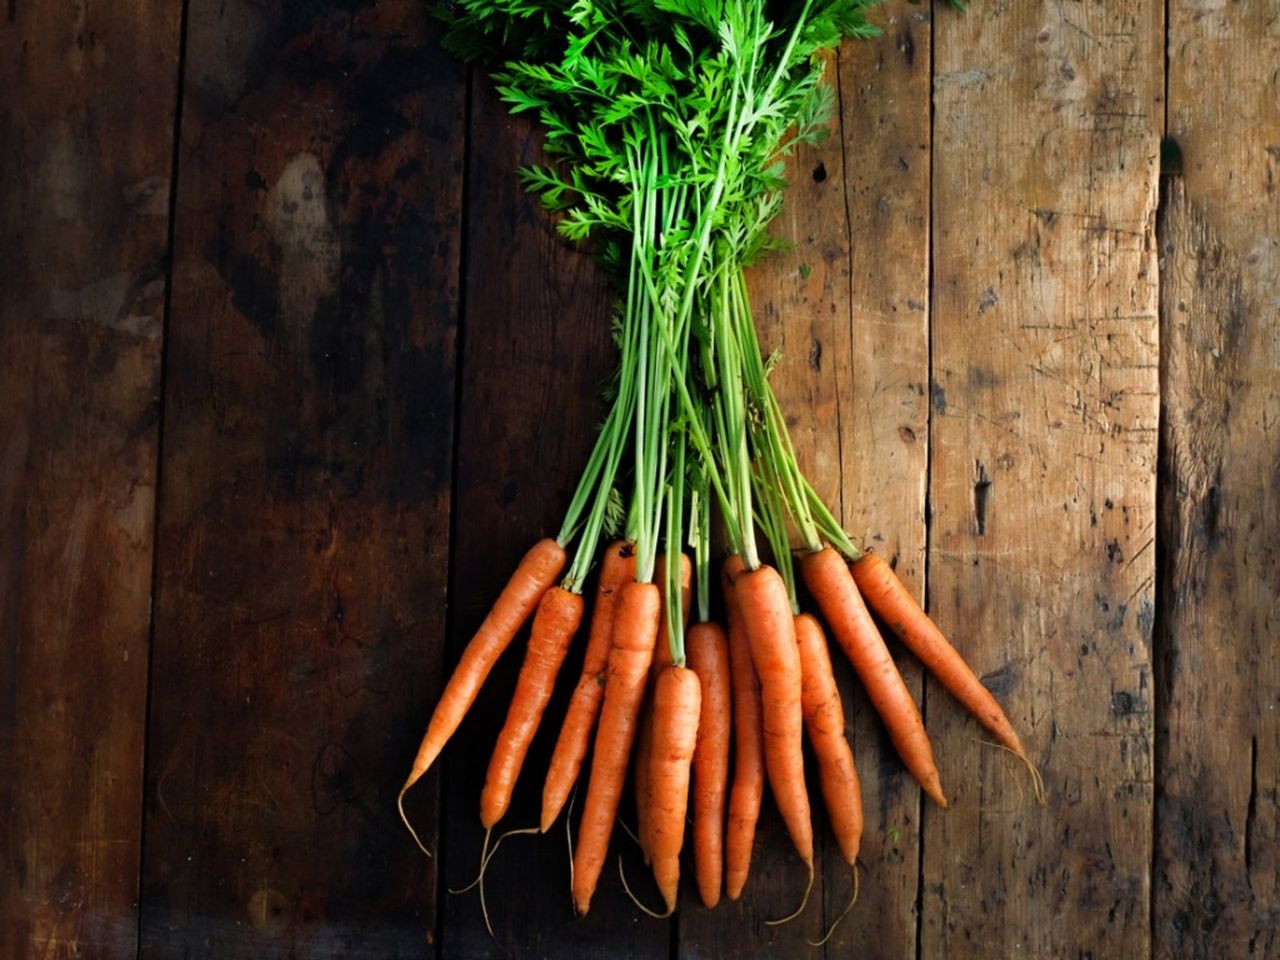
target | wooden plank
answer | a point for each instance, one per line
(1041, 560)
(87, 123)
(847, 310)
(1217, 883)
(885, 90)
(800, 299)
(305, 512)
(537, 348)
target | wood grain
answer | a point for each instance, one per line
(967, 327)
(537, 349)
(1217, 884)
(304, 513)
(847, 311)
(885, 94)
(1046, 128)
(87, 126)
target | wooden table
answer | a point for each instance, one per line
(291, 373)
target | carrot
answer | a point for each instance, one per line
(661, 660)
(677, 703)
(771, 632)
(616, 569)
(829, 580)
(634, 630)
(708, 651)
(824, 722)
(889, 598)
(535, 574)
(748, 743)
(554, 625)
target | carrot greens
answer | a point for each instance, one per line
(667, 124)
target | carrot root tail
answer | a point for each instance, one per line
(404, 817)
(843, 913)
(804, 902)
(636, 900)
(1037, 780)
(484, 862)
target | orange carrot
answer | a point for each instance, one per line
(708, 651)
(829, 580)
(616, 569)
(677, 703)
(824, 722)
(748, 744)
(634, 630)
(554, 625)
(771, 631)
(887, 596)
(535, 574)
(661, 660)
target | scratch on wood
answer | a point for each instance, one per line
(981, 494)
(963, 78)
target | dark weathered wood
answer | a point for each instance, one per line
(305, 505)
(1047, 122)
(1216, 872)
(86, 120)
(537, 348)
(1217, 881)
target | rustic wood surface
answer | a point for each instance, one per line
(307, 467)
(1217, 884)
(1044, 443)
(291, 373)
(87, 124)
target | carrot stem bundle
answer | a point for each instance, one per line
(694, 426)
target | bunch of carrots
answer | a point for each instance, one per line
(667, 122)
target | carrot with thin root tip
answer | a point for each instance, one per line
(677, 703)
(634, 631)
(535, 574)
(771, 632)
(828, 578)
(661, 660)
(747, 790)
(824, 722)
(616, 570)
(708, 651)
(554, 626)
(894, 604)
